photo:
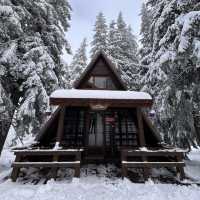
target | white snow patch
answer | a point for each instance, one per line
(187, 22)
(78, 190)
(96, 187)
(192, 168)
(57, 146)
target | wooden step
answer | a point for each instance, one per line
(94, 157)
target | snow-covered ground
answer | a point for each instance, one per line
(192, 168)
(94, 187)
(81, 190)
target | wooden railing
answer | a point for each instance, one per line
(54, 164)
(173, 158)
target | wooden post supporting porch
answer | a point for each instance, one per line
(15, 170)
(180, 169)
(141, 138)
(59, 136)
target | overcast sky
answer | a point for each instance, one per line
(85, 11)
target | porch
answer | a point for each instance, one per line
(74, 158)
(98, 127)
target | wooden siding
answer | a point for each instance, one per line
(100, 66)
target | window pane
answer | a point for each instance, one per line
(110, 84)
(100, 82)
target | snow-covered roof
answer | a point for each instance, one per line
(100, 94)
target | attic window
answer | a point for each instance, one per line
(102, 82)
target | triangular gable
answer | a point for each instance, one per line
(94, 65)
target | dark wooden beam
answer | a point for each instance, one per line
(151, 127)
(60, 129)
(121, 103)
(140, 128)
(48, 123)
(180, 168)
(142, 138)
(16, 169)
(59, 136)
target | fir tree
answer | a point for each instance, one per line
(100, 35)
(79, 61)
(145, 34)
(123, 50)
(121, 25)
(173, 72)
(32, 38)
(114, 49)
(132, 47)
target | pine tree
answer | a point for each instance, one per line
(173, 72)
(79, 61)
(145, 34)
(32, 38)
(132, 50)
(100, 35)
(123, 50)
(114, 49)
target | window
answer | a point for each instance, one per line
(102, 82)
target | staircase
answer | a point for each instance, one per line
(94, 155)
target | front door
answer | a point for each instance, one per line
(96, 136)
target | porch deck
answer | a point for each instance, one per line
(73, 158)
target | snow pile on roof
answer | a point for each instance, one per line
(100, 94)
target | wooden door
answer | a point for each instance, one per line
(95, 133)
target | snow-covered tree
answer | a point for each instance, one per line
(32, 37)
(65, 79)
(114, 38)
(145, 40)
(100, 37)
(173, 73)
(123, 50)
(132, 47)
(79, 61)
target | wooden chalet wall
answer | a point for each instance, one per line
(51, 133)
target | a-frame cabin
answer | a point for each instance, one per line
(99, 114)
(99, 121)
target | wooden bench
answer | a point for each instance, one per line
(54, 165)
(174, 159)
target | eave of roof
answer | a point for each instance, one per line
(75, 97)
